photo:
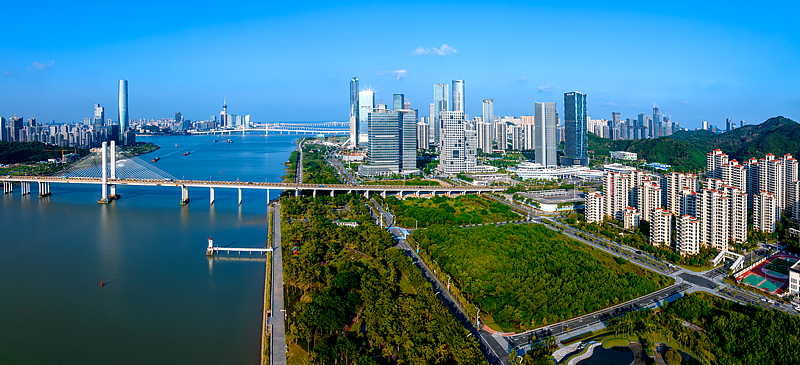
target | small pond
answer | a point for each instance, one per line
(612, 356)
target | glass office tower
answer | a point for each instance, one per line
(458, 96)
(440, 102)
(123, 110)
(575, 138)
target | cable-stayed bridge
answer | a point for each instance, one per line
(110, 170)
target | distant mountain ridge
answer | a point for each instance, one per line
(686, 150)
(777, 135)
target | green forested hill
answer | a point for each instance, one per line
(686, 150)
(16, 152)
(682, 155)
(778, 135)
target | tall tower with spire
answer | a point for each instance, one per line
(223, 115)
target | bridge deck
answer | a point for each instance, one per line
(249, 185)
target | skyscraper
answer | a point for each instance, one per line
(398, 102)
(3, 130)
(366, 102)
(657, 128)
(354, 110)
(575, 138)
(459, 145)
(423, 139)
(440, 102)
(458, 96)
(123, 108)
(488, 111)
(728, 125)
(392, 142)
(616, 128)
(485, 136)
(545, 120)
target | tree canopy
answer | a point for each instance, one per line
(352, 296)
(459, 211)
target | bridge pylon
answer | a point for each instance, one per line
(104, 177)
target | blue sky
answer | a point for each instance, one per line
(287, 61)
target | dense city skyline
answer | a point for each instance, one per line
(287, 63)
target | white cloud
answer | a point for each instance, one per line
(444, 50)
(38, 66)
(610, 103)
(8, 73)
(397, 74)
(545, 89)
(599, 96)
(523, 78)
(420, 51)
(684, 102)
(633, 105)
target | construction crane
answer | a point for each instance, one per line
(75, 150)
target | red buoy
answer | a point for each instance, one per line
(101, 282)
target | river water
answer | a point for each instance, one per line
(164, 301)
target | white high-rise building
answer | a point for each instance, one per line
(631, 218)
(458, 145)
(688, 242)
(529, 131)
(675, 182)
(616, 188)
(648, 198)
(423, 138)
(546, 121)
(714, 161)
(501, 135)
(738, 214)
(713, 208)
(660, 227)
(485, 136)
(516, 138)
(595, 207)
(765, 211)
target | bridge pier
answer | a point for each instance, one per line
(7, 187)
(418, 192)
(44, 189)
(331, 193)
(184, 195)
(383, 194)
(267, 197)
(25, 187)
(240, 196)
(211, 197)
(314, 193)
(296, 192)
(366, 195)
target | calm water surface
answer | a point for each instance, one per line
(164, 302)
(612, 356)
